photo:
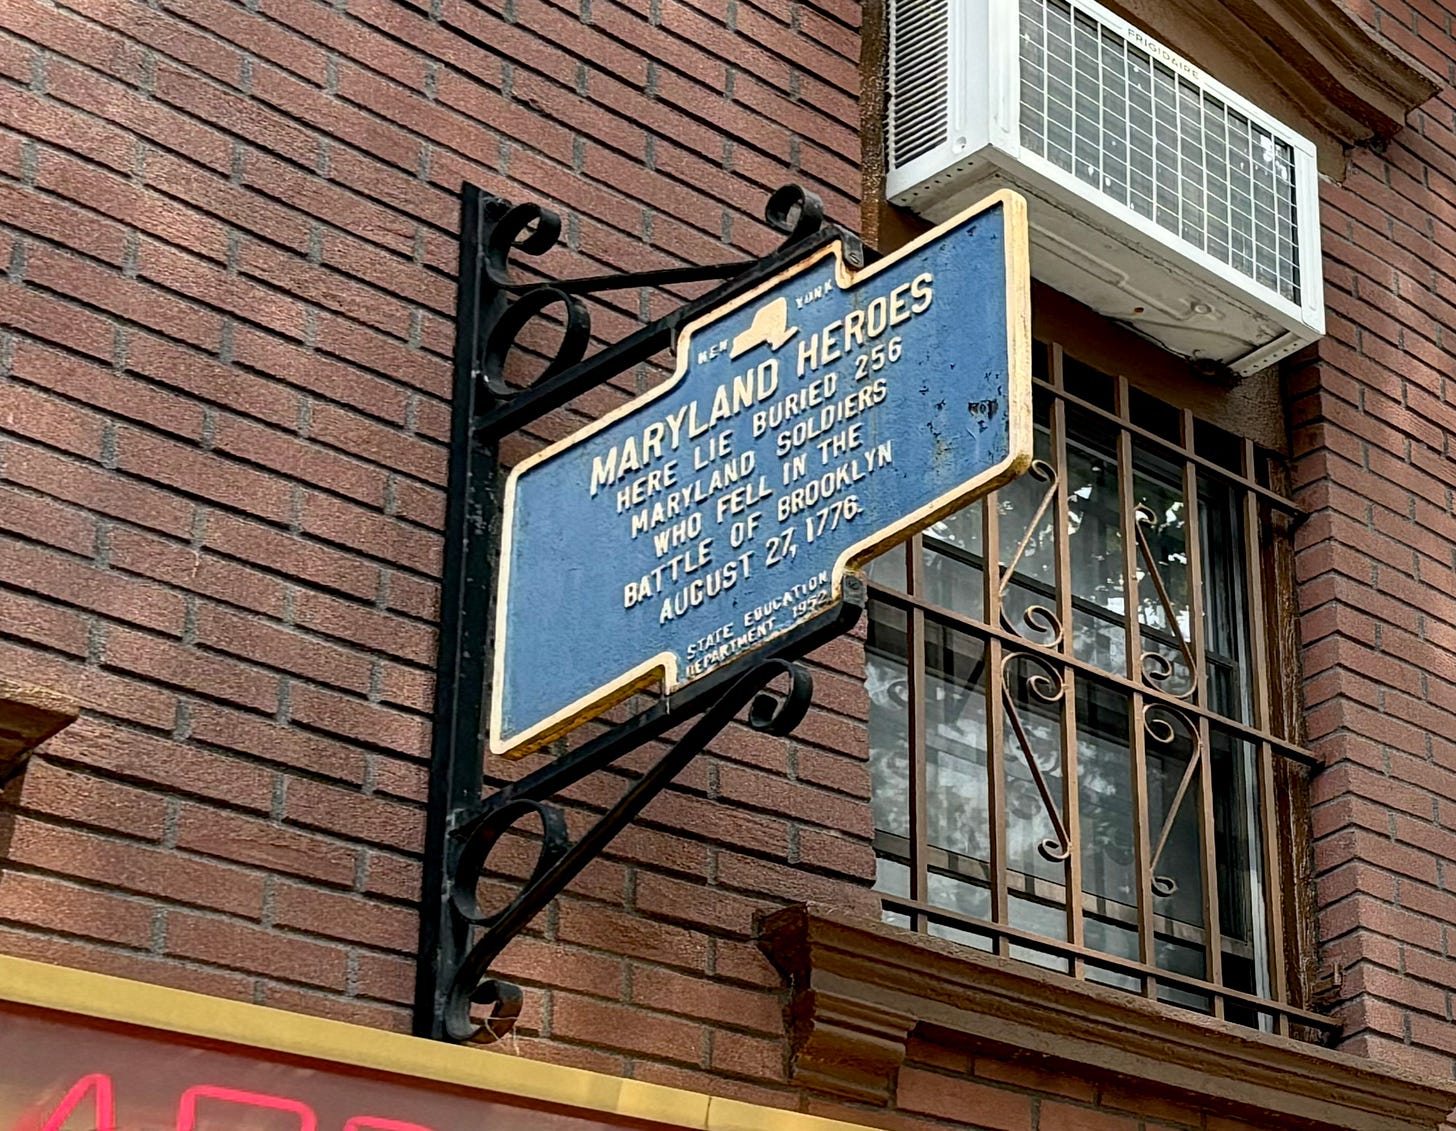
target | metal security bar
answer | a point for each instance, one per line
(1072, 737)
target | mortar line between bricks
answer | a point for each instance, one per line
(335, 139)
(685, 111)
(248, 516)
(238, 138)
(276, 525)
(168, 16)
(190, 206)
(273, 288)
(757, 45)
(246, 663)
(83, 559)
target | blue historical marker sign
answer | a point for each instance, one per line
(810, 425)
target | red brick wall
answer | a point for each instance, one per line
(229, 233)
(1373, 421)
(940, 1087)
(225, 332)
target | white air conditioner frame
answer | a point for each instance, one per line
(983, 151)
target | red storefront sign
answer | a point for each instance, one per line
(82, 1052)
(59, 1072)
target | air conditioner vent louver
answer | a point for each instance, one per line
(918, 111)
(1156, 195)
(1104, 110)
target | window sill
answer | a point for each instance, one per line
(28, 716)
(860, 988)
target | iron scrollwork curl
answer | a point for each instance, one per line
(504, 998)
(1045, 684)
(1038, 618)
(558, 860)
(532, 229)
(1160, 728)
(794, 212)
(1157, 670)
(527, 229)
(575, 337)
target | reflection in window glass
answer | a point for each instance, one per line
(1094, 535)
(952, 561)
(889, 691)
(955, 742)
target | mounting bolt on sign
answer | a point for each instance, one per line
(809, 426)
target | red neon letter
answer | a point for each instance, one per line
(374, 1123)
(187, 1109)
(104, 1107)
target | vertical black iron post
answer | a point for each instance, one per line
(457, 744)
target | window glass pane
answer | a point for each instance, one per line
(1088, 384)
(1241, 895)
(892, 877)
(1094, 524)
(955, 742)
(959, 934)
(1158, 417)
(952, 560)
(889, 725)
(1027, 529)
(958, 893)
(889, 569)
(1222, 448)
(1163, 609)
(1044, 918)
(1107, 837)
(1174, 799)
(1033, 840)
(1182, 958)
(1107, 975)
(1225, 600)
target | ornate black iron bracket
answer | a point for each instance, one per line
(458, 940)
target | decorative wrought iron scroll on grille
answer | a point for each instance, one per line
(459, 940)
(1076, 753)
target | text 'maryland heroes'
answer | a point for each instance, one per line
(809, 426)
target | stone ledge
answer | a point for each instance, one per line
(857, 985)
(28, 716)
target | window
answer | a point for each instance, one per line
(1030, 738)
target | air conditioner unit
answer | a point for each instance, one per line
(1156, 196)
